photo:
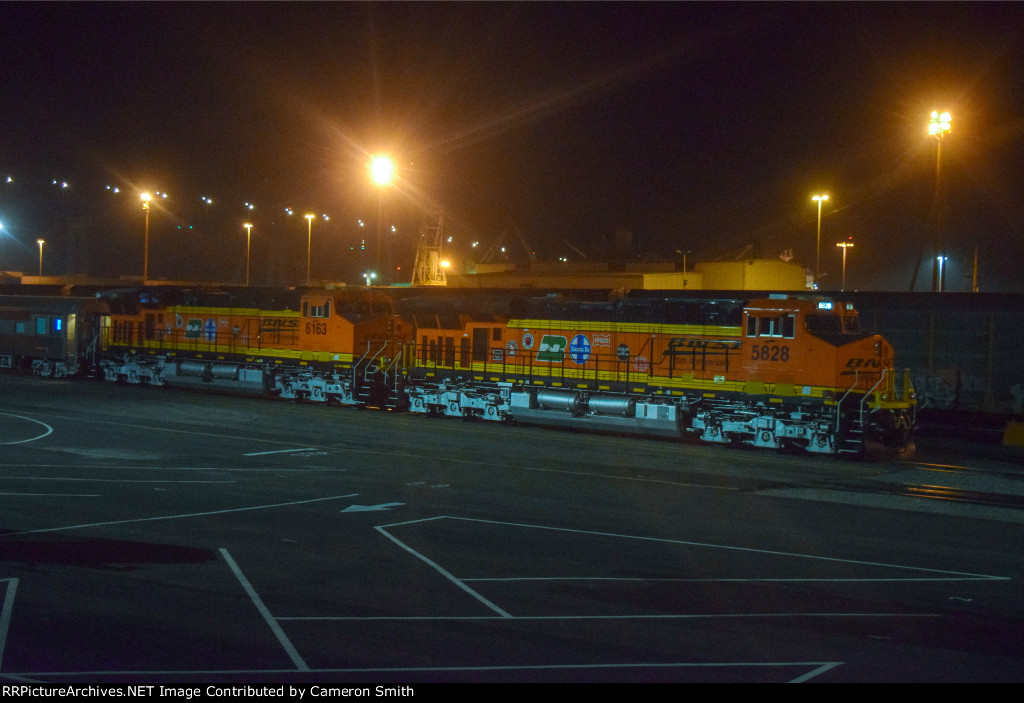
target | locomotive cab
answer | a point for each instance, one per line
(811, 354)
(789, 338)
(348, 325)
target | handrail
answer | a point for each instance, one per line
(355, 366)
(375, 355)
(885, 372)
(390, 366)
(840, 403)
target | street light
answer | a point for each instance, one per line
(381, 171)
(817, 256)
(248, 237)
(939, 261)
(146, 197)
(845, 245)
(40, 242)
(939, 125)
(309, 244)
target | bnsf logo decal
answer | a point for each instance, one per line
(552, 348)
(857, 365)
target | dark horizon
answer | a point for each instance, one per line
(703, 129)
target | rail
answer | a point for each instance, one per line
(839, 405)
(607, 367)
(870, 391)
(394, 363)
(90, 350)
(889, 391)
(366, 370)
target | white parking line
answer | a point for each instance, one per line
(293, 653)
(53, 495)
(110, 480)
(5, 616)
(948, 575)
(281, 451)
(447, 574)
(31, 439)
(178, 517)
(660, 616)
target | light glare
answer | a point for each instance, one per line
(940, 123)
(381, 170)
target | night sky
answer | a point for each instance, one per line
(703, 129)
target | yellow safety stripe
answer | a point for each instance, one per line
(635, 327)
(245, 312)
(216, 349)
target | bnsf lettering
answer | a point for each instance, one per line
(864, 364)
(272, 325)
(855, 366)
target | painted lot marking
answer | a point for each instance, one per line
(500, 613)
(926, 574)
(30, 439)
(388, 453)
(444, 572)
(281, 451)
(265, 613)
(5, 615)
(370, 508)
(53, 495)
(109, 480)
(179, 517)
(808, 670)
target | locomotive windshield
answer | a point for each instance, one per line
(829, 324)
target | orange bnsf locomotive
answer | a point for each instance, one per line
(327, 346)
(783, 372)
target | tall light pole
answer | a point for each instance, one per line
(939, 125)
(40, 242)
(309, 244)
(382, 171)
(817, 256)
(845, 245)
(939, 261)
(248, 238)
(146, 197)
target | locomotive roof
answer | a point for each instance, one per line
(49, 304)
(708, 311)
(487, 306)
(130, 299)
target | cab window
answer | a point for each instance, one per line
(781, 326)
